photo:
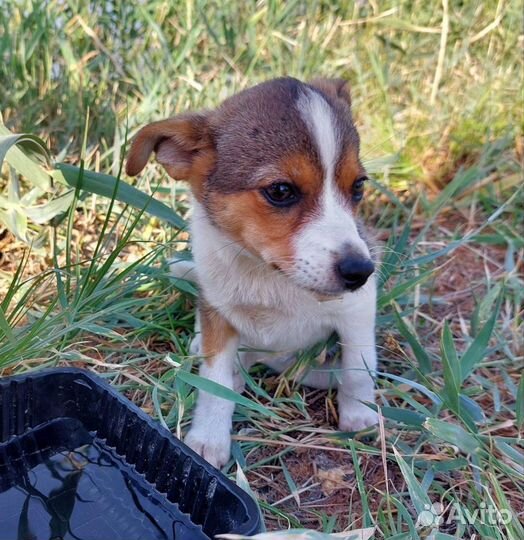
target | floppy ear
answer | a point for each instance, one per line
(334, 88)
(183, 144)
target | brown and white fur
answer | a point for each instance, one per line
(273, 278)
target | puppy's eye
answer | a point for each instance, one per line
(281, 194)
(357, 190)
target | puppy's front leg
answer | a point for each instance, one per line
(210, 433)
(359, 360)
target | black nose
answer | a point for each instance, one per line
(354, 271)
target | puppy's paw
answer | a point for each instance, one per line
(355, 416)
(213, 445)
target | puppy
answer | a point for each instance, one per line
(279, 256)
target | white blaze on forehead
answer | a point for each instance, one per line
(332, 229)
(335, 216)
(318, 116)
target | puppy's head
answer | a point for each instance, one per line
(277, 169)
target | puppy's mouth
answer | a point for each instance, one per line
(327, 296)
(321, 294)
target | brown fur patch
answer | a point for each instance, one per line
(261, 228)
(348, 170)
(216, 331)
(184, 147)
(302, 171)
(249, 220)
(202, 166)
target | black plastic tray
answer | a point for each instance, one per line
(80, 461)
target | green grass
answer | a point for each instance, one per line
(441, 121)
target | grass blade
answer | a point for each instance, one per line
(22, 163)
(519, 405)
(104, 184)
(223, 392)
(419, 497)
(453, 434)
(475, 352)
(421, 355)
(451, 368)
